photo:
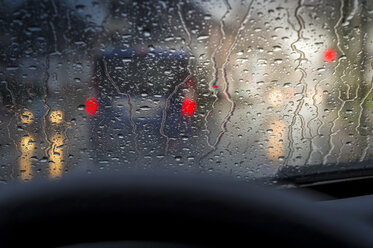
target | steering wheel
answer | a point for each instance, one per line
(180, 209)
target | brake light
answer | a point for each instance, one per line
(329, 55)
(91, 105)
(188, 107)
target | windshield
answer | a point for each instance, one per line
(252, 89)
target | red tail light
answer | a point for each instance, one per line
(188, 107)
(329, 55)
(91, 105)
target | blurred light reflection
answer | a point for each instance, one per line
(27, 150)
(27, 117)
(276, 98)
(275, 145)
(56, 116)
(56, 156)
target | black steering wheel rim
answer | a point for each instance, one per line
(168, 208)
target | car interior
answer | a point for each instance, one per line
(186, 123)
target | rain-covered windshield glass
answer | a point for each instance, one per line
(245, 88)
